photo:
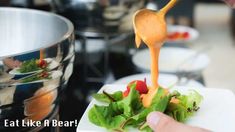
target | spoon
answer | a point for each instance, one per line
(151, 27)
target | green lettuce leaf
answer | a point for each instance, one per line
(28, 66)
(117, 96)
(159, 103)
(187, 106)
(147, 129)
(105, 116)
(132, 103)
(115, 115)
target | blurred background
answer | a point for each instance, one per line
(199, 50)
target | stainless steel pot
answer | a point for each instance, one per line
(33, 94)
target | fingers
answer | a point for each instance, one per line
(11, 63)
(17, 63)
(231, 3)
(160, 122)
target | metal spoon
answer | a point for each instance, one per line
(157, 32)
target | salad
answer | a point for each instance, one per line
(124, 109)
(33, 65)
(178, 36)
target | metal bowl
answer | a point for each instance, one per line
(24, 33)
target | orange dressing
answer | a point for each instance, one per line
(41, 54)
(175, 100)
(151, 27)
(40, 105)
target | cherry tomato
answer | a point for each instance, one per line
(42, 63)
(185, 35)
(140, 86)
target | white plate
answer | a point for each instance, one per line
(53, 74)
(16, 72)
(165, 80)
(170, 59)
(53, 64)
(217, 110)
(193, 33)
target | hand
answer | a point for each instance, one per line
(160, 122)
(11, 63)
(231, 3)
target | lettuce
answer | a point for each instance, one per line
(28, 66)
(159, 103)
(122, 113)
(187, 106)
(106, 117)
(114, 116)
(108, 98)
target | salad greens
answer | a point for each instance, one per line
(159, 103)
(116, 113)
(187, 105)
(33, 65)
(28, 66)
(108, 98)
(123, 112)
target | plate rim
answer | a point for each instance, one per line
(191, 30)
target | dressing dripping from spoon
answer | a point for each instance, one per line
(41, 55)
(150, 27)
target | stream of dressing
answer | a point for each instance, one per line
(150, 27)
(41, 54)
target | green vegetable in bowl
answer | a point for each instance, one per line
(28, 66)
(33, 65)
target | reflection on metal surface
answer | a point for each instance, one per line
(25, 30)
(99, 16)
(29, 87)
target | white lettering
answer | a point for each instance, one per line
(67, 124)
(31, 123)
(6, 123)
(60, 124)
(46, 123)
(54, 123)
(17, 123)
(23, 123)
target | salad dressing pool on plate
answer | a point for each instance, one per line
(150, 27)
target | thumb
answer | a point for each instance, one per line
(230, 2)
(160, 122)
